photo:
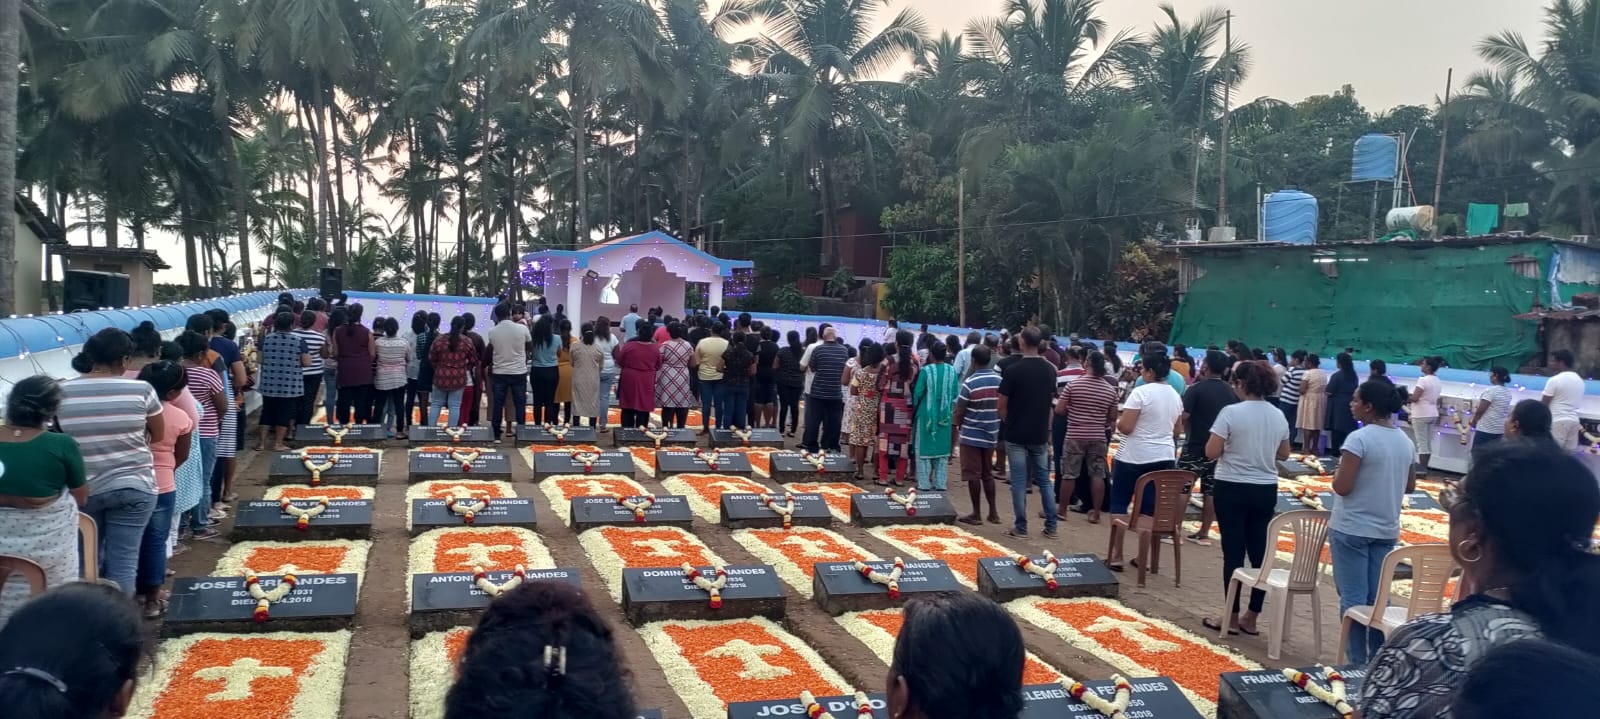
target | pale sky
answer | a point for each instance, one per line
(1393, 51)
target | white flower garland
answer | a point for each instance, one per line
(683, 673)
(1045, 571)
(1115, 709)
(302, 517)
(656, 434)
(481, 579)
(712, 587)
(1333, 696)
(1310, 460)
(818, 460)
(468, 511)
(890, 580)
(466, 458)
(337, 433)
(908, 501)
(587, 459)
(638, 507)
(454, 433)
(815, 710)
(710, 458)
(743, 433)
(1459, 420)
(1309, 498)
(786, 510)
(559, 431)
(318, 689)
(264, 598)
(316, 468)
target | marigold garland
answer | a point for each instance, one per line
(786, 510)
(1115, 709)
(481, 579)
(1333, 696)
(713, 587)
(264, 598)
(302, 517)
(1046, 571)
(890, 580)
(637, 507)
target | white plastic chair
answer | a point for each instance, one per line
(1310, 530)
(1431, 567)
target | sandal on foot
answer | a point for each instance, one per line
(970, 519)
(1215, 626)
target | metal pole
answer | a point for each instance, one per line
(1444, 143)
(1227, 97)
(961, 244)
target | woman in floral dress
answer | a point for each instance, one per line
(863, 415)
(672, 380)
(899, 375)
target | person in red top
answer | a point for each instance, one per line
(453, 356)
(639, 358)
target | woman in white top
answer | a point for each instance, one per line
(392, 354)
(1424, 410)
(1247, 440)
(607, 343)
(1488, 422)
(1149, 423)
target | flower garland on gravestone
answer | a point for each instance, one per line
(785, 510)
(264, 598)
(337, 433)
(559, 431)
(315, 468)
(302, 517)
(713, 587)
(1115, 709)
(890, 580)
(908, 501)
(1045, 570)
(468, 511)
(481, 579)
(637, 507)
(815, 711)
(710, 458)
(1333, 696)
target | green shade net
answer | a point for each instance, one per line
(1393, 301)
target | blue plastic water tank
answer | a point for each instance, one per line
(1289, 216)
(1374, 158)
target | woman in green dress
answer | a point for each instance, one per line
(934, 400)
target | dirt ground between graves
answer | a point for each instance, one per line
(376, 682)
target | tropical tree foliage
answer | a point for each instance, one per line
(423, 144)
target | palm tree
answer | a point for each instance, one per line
(1544, 107)
(819, 57)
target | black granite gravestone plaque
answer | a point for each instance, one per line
(1267, 694)
(656, 594)
(452, 599)
(1422, 501)
(266, 520)
(537, 434)
(547, 464)
(759, 437)
(838, 588)
(708, 461)
(636, 437)
(487, 465)
(670, 510)
(794, 467)
(747, 511)
(1288, 502)
(1292, 468)
(1152, 698)
(356, 435)
(348, 468)
(429, 514)
(433, 434)
(789, 708)
(318, 603)
(877, 509)
(1077, 575)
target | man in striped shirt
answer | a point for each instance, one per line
(315, 341)
(977, 416)
(1289, 391)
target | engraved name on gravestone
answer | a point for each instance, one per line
(875, 509)
(838, 587)
(758, 437)
(429, 514)
(485, 464)
(451, 599)
(1076, 575)
(547, 464)
(433, 434)
(747, 511)
(795, 467)
(318, 603)
(266, 520)
(656, 594)
(670, 462)
(358, 468)
(671, 510)
(1267, 694)
(537, 434)
(636, 437)
(1152, 698)
(1288, 502)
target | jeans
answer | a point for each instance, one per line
(710, 402)
(608, 385)
(736, 403)
(1243, 511)
(545, 380)
(826, 414)
(411, 401)
(449, 399)
(1291, 412)
(153, 546)
(789, 407)
(330, 396)
(389, 408)
(1030, 464)
(932, 472)
(122, 515)
(200, 516)
(1125, 476)
(1357, 564)
(516, 386)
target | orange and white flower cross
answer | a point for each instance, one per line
(466, 549)
(704, 491)
(299, 558)
(274, 674)
(956, 547)
(614, 548)
(836, 494)
(793, 553)
(878, 628)
(1136, 644)
(712, 663)
(561, 489)
(644, 460)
